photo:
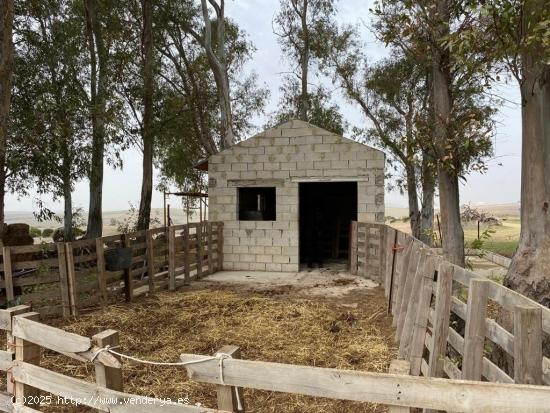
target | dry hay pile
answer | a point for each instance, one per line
(278, 329)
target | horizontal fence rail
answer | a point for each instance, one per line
(64, 278)
(453, 323)
(28, 382)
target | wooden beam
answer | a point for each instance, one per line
(27, 352)
(172, 258)
(8, 280)
(150, 249)
(402, 367)
(71, 278)
(105, 376)
(230, 398)
(128, 279)
(6, 323)
(474, 334)
(101, 275)
(63, 280)
(528, 345)
(389, 389)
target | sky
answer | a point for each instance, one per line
(501, 184)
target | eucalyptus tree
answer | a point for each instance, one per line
(303, 29)
(50, 106)
(512, 38)
(422, 30)
(6, 73)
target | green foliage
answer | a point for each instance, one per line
(35, 232)
(47, 232)
(129, 223)
(483, 238)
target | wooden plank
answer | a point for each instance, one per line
(402, 367)
(69, 344)
(28, 352)
(8, 278)
(6, 317)
(416, 262)
(6, 404)
(390, 260)
(200, 250)
(186, 260)
(127, 274)
(474, 333)
(353, 248)
(105, 376)
(230, 398)
(95, 396)
(71, 278)
(172, 258)
(442, 313)
(426, 267)
(150, 261)
(63, 280)
(389, 389)
(101, 275)
(419, 329)
(528, 345)
(210, 249)
(403, 265)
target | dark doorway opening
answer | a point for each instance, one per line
(326, 212)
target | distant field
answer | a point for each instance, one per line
(503, 240)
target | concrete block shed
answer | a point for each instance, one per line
(281, 187)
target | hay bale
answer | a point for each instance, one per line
(18, 229)
(16, 240)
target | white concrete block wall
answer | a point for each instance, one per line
(282, 157)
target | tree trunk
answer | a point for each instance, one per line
(304, 97)
(218, 66)
(428, 195)
(6, 74)
(148, 133)
(449, 202)
(68, 234)
(412, 195)
(98, 87)
(529, 272)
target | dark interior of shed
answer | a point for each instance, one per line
(326, 212)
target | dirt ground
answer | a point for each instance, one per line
(324, 319)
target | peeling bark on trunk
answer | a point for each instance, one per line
(218, 65)
(304, 98)
(452, 233)
(144, 216)
(98, 88)
(6, 74)
(529, 272)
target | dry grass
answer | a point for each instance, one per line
(284, 329)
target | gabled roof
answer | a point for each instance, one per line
(277, 131)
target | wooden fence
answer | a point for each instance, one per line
(367, 257)
(451, 322)
(64, 278)
(29, 385)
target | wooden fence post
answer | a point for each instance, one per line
(109, 377)
(71, 278)
(399, 367)
(128, 279)
(63, 279)
(220, 247)
(29, 353)
(10, 341)
(391, 245)
(150, 248)
(474, 333)
(528, 345)
(230, 399)
(416, 263)
(186, 257)
(172, 258)
(210, 248)
(8, 280)
(101, 276)
(353, 248)
(442, 314)
(403, 266)
(200, 251)
(416, 343)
